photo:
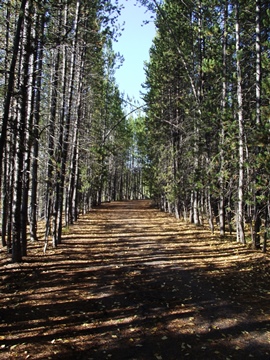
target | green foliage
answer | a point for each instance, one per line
(191, 99)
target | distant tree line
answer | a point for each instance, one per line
(208, 117)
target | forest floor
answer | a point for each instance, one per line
(131, 282)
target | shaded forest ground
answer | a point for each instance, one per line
(130, 282)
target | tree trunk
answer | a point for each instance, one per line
(266, 224)
(11, 79)
(36, 95)
(26, 122)
(240, 208)
(65, 134)
(222, 132)
(210, 212)
(51, 135)
(71, 210)
(195, 206)
(257, 210)
(6, 172)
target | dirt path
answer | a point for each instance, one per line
(129, 282)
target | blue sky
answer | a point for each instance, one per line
(134, 45)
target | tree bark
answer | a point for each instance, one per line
(257, 207)
(11, 79)
(37, 81)
(51, 135)
(241, 137)
(222, 132)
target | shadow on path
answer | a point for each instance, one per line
(130, 282)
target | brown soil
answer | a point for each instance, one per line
(130, 282)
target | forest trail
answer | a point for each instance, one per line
(131, 282)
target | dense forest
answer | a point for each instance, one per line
(208, 114)
(200, 149)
